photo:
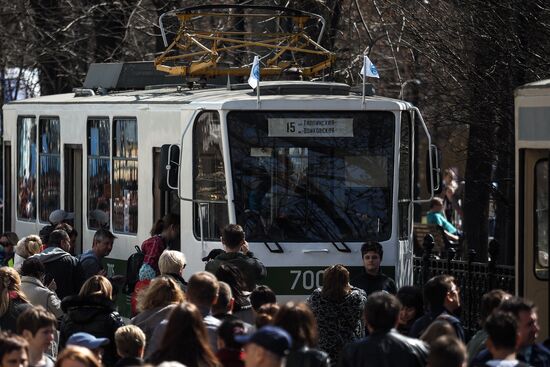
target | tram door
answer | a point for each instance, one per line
(73, 188)
(534, 228)
(164, 202)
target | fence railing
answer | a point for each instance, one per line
(473, 278)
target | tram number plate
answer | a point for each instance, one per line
(306, 279)
(310, 127)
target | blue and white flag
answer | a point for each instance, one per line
(368, 70)
(254, 78)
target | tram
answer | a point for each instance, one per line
(532, 111)
(311, 170)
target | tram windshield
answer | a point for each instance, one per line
(312, 176)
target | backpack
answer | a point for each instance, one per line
(133, 264)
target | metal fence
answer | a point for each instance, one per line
(473, 278)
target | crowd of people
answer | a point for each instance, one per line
(57, 309)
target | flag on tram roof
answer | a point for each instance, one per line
(254, 78)
(368, 70)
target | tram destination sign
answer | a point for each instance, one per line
(310, 127)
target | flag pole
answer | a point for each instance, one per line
(258, 102)
(364, 77)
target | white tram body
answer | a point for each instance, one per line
(532, 132)
(311, 174)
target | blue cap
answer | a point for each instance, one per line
(86, 340)
(272, 338)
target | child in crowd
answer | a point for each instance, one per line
(14, 350)
(37, 327)
(130, 346)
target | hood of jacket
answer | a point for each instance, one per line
(51, 254)
(84, 309)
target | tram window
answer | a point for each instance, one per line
(49, 166)
(26, 168)
(209, 176)
(541, 219)
(404, 198)
(99, 169)
(125, 175)
(313, 176)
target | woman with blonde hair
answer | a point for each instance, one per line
(338, 308)
(12, 299)
(155, 304)
(25, 248)
(92, 311)
(79, 356)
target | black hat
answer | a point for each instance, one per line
(212, 254)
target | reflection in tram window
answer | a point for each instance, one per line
(313, 176)
(209, 176)
(541, 219)
(49, 166)
(125, 175)
(99, 169)
(26, 168)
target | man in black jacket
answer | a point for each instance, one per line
(238, 254)
(384, 346)
(372, 279)
(60, 265)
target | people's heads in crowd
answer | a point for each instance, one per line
(168, 227)
(227, 332)
(60, 216)
(382, 311)
(130, 341)
(59, 238)
(372, 254)
(71, 231)
(28, 246)
(32, 267)
(10, 287)
(298, 320)
(442, 291)
(502, 331)
(412, 304)
(233, 276)
(14, 350)
(9, 240)
(266, 347)
(172, 262)
(437, 328)
(525, 313)
(185, 328)
(37, 326)
(225, 301)
(335, 282)
(449, 175)
(161, 292)
(447, 351)
(490, 301)
(202, 289)
(75, 356)
(261, 295)
(436, 204)
(90, 342)
(97, 286)
(103, 242)
(266, 314)
(233, 237)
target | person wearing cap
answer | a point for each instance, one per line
(372, 279)
(56, 217)
(60, 264)
(95, 345)
(238, 254)
(213, 254)
(267, 347)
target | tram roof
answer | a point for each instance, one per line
(540, 87)
(272, 95)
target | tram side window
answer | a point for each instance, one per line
(125, 175)
(541, 219)
(26, 168)
(404, 198)
(209, 176)
(99, 169)
(49, 167)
